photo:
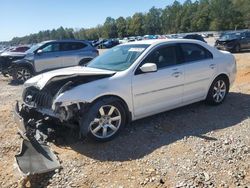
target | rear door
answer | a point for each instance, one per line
(248, 39)
(72, 53)
(50, 57)
(199, 69)
(155, 92)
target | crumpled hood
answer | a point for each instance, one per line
(226, 40)
(17, 54)
(41, 80)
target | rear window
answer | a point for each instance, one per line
(69, 46)
(20, 49)
(195, 52)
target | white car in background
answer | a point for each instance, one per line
(129, 82)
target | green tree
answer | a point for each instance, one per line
(153, 22)
(109, 28)
(137, 24)
(224, 15)
(121, 27)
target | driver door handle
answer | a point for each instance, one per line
(212, 66)
(176, 74)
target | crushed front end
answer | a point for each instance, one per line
(39, 123)
(42, 115)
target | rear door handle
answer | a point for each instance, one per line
(176, 74)
(212, 66)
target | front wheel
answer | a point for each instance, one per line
(104, 120)
(21, 74)
(218, 91)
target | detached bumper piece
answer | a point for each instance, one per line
(34, 157)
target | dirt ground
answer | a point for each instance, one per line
(193, 146)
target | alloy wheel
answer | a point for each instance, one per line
(23, 74)
(219, 91)
(107, 122)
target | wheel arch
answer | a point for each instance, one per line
(85, 60)
(223, 75)
(26, 65)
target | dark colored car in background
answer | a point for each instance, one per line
(11, 54)
(105, 43)
(110, 43)
(194, 37)
(233, 41)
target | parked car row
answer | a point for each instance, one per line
(45, 56)
(105, 43)
(109, 43)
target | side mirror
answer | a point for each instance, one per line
(39, 52)
(148, 67)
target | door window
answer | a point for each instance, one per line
(248, 35)
(163, 57)
(69, 46)
(195, 52)
(52, 47)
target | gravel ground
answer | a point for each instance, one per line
(193, 146)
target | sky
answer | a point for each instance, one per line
(23, 17)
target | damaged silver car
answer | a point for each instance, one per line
(128, 82)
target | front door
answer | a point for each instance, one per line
(50, 58)
(158, 91)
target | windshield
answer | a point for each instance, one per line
(34, 47)
(230, 36)
(118, 58)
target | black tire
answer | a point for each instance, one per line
(237, 48)
(85, 61)
(216, 97)
(21, 74)
(93, 124)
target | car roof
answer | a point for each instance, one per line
(66, 40)
(159, 41)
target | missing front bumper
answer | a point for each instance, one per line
(34, 157)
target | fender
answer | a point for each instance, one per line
(23, 63)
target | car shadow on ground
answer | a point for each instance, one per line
(242, 51)
(144, 136)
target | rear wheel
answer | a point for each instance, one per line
(104, 120)
(237, 48)
(21, 74)
(218, 91)
(85, 61)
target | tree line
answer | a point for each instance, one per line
(200, 15)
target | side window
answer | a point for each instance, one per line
(69, 46)
(163, 57)
(195, 52)
(52, 47)
(248, 35)
(78, 45)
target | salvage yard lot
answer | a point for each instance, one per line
(198, 144)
